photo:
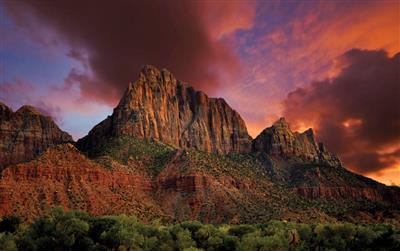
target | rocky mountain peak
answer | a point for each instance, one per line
(157, 106)
(281, 123)
(5, 111)
(281, 142)
(4, 106)
(26, 133)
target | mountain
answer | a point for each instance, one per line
(298, 161)
(26, 133)
(172, 153)
(159, 107)
(278, 141)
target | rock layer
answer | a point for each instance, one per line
(159, 107)
(25, 134)
(62, 176)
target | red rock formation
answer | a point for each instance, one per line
(64, 177)
(26, 133)
(157, 106)
(280, 142)
(298, 161)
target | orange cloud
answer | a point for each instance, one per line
(355, 113)
(303, 48)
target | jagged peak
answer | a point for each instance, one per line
(28, 109)
(309, 133)
(150, 74)
(278, 127)
(281, 123)
(150, 69)
(3, 107)
(5, 111)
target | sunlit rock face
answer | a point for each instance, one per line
(159, 107)
(280, 141)
(26, 133)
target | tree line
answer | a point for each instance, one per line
(76, 230)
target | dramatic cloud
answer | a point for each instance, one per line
(293, 44)
(79, 57)
(356, 113)
(115, 40)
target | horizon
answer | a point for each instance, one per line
(302, 61)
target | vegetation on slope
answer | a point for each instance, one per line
(271, 195)
(153, 155)
(252, 196)
(77, 230)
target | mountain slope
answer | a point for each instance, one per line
(296, 160)
(26, 133)
(190, 185)
(62, 176)
(157, 106)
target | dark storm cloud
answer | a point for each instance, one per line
(116, 40)
(357, 113)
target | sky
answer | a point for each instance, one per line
(330, 65)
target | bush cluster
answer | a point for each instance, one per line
(75, 230)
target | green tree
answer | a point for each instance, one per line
(7, 242)
(184, 239)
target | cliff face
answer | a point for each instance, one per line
(159, 107)
(296, 160)
(26, 133)
(278, 141)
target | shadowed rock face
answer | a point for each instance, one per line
(159, 107)
(279, 141)
(296, 160)
(25, 134)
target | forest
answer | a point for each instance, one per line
(77, 230)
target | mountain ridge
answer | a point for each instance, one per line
(26, 133)
(171, 151)
(159, 107)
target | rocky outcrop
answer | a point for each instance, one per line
(25, 134)
(62, 176)
(296, 160)
(280, 142)
(159, 107)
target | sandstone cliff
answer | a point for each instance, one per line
(296, 160)
(26, 133)
(278, 141)
(159, 107)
